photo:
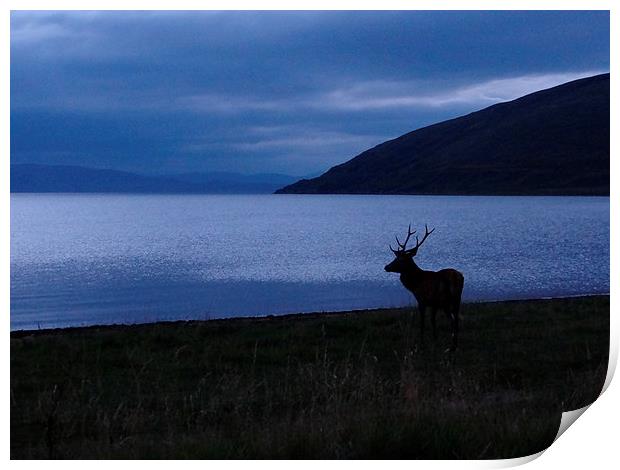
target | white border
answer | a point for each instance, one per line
(591, 442)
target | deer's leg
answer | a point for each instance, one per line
(433, 324)
(455, 327)
(422, 309)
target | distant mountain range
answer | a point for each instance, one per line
(33, 178)
(553, 142)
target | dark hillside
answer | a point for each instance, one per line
(554, 142)
(36, 178)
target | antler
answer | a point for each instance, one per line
(409, 233)
(418, 243)
(403, 246)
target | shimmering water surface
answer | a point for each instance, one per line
(93, 259)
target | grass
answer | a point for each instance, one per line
(356, 385)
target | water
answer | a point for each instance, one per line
(100, 259)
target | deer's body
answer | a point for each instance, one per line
(434, 290)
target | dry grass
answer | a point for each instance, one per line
(356, 385)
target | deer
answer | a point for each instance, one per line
(435, 290)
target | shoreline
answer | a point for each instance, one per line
(19, 333)
(121, 193)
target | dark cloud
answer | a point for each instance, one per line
(271, 91)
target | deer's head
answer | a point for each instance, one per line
(403, 260)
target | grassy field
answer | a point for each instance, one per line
(354, 385)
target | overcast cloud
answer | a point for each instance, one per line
(290, 92)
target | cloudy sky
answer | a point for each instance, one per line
(286, 92)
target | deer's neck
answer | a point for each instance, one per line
(412, 276)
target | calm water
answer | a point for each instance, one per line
(92, 259)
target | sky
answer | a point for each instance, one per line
(271, 92)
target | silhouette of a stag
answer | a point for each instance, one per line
(434, 290)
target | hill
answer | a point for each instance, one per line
(32, 178)
(552, 142)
